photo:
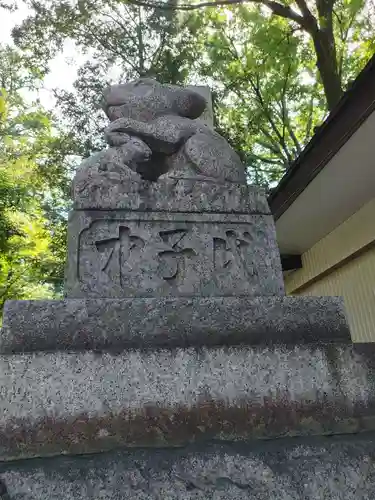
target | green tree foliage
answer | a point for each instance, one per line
(266, 103)
(269, 93)
(121, 42)
(328, 23)
(276, 67)
(33, 188)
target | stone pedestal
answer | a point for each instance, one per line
(334, 468)
(173, 238)
(115, 324)
(175, 330)
(85, 402)
(175, 340)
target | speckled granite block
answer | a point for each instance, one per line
(54, 403)
(174, 195)
(76, 324)
(121, 254)
(341, 468)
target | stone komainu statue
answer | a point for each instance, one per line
(154, 132)
(165, 209)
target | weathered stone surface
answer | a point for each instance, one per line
(168, 195)
(207, 154)
(154, 131)
(128, 254)
(177, 329)
(207, 117)
(145, 99)
(336, 468)
(76, 324)
(203, 350)
(117, 254)
(64, 402)
(112, 166)
(164, 134)
(190, 148)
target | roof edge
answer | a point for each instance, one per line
(356, 104)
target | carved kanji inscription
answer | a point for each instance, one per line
(119, 251)
(121, 258)
(230, 252)
(175, 262)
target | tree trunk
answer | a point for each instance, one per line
(320, 29)
(327, 66)
(326, 56)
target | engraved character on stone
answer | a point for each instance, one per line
(230, 252)
(120, 251)
(174, 262)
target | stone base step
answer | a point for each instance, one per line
(107, 324)
(335, 468)
(54, 403)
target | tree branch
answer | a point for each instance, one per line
(277, 147)
(155, 57)
(325, 7)
(309, 122)
(344, 33)
(129, 15)
(276, 7)
(264, 159)
(285, 114)
(111, 48)
(305, 11)
(4, 292)
(119, 23)
(268, 115)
